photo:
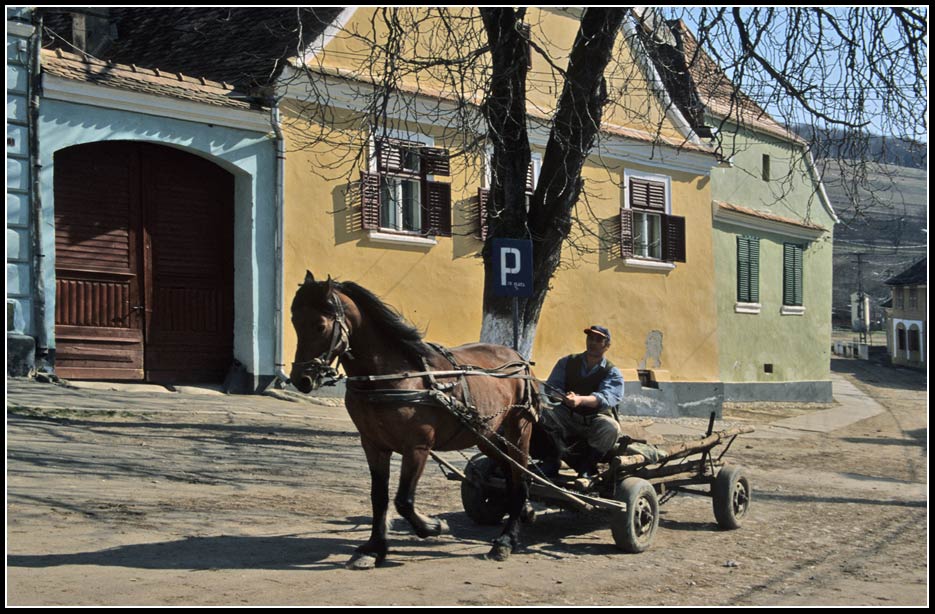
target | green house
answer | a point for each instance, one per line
(772, 239)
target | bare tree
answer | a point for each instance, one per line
(860, 70)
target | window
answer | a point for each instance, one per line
(913, 298)
(913, 340)
(792, 274)
(483, 194)
(647, 231)
(899, 298)
(748, 269)
(399, 196)
(901, 338)
(765, 167)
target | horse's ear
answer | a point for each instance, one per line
(329, 287)
(309, 278)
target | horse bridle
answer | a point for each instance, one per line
(318, 369)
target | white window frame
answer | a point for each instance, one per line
(391, 234)
(534, 158)
(648, 262)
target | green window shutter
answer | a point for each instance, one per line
(743, 270)
(748, 269)
(754, 269)
(792, 274)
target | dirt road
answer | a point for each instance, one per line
(123, 498)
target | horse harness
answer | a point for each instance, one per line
(442, 394)
(322, 372)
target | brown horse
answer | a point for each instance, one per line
(345, 321)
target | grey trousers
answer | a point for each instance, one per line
(599, 430)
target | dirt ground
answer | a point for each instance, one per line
(215, 500)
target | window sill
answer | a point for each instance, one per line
(653, 265)
(380, 236)
(747, 307)
(792, 310)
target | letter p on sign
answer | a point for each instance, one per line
(512, 267)
(505, 270)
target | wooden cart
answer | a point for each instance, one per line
(631, 488)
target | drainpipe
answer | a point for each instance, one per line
(44, 359)
(279, 263)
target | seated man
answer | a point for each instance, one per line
(592, 388)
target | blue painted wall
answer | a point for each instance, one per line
(248, 155)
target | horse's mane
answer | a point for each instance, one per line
(387, 320)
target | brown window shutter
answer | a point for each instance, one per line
(437, 220)
(435, 161)
(673, 238)
(389, 157)
(626, 233)
(369, 201)
(483, 199)
(648, 194)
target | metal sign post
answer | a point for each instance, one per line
(512, 270)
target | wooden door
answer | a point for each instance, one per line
(188, 245)
(144, 264)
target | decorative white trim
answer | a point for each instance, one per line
(651, 265)
(907, 325)
(792, 310)
(78, 92)
(330, 31)
(744, 220)
(747, 307)
(378, 236)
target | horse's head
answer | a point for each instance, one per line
(321, 329)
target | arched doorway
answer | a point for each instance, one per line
(144, 264)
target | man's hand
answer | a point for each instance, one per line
(577, 401)
(571, 400)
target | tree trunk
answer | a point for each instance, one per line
(577, 120)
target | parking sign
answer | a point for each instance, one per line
(512, 267)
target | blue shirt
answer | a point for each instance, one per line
(610, 390)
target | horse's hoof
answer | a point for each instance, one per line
(431, 529)
(499, 552)
(502, 549)
(362, 560)
(440, 527)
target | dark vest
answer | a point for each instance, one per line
(584, 384)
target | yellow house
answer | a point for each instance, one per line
(382, 186)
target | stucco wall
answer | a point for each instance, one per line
(439, 287)
(797, 346)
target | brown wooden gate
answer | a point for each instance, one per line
(144, 264)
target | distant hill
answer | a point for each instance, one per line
(837, 144)
(882, 207)
(883, 217)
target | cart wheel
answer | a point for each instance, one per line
(633, 528)
(483, 505)
(730, 495)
